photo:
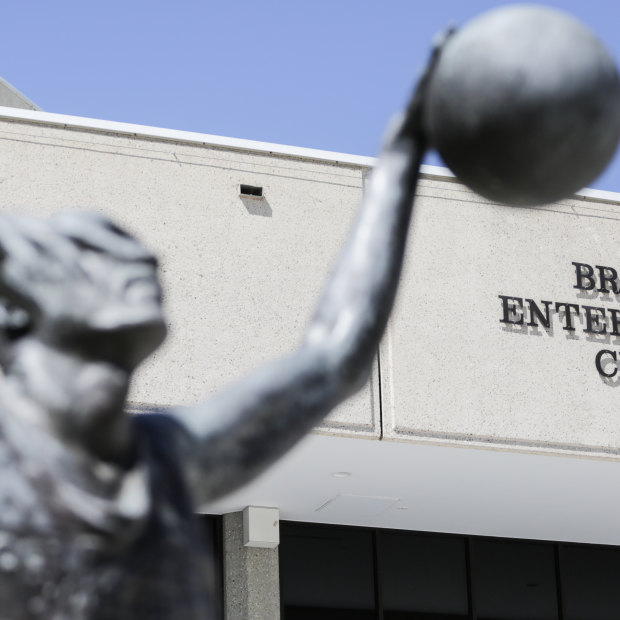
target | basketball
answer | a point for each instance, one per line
(524, 105)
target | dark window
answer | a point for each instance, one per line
(348, 573)
(590, 582)
(326, 573)
(514, 580)
(422, 576)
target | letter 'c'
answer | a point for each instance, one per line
(599, 366)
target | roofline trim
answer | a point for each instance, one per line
(191, 137)
(79, 122)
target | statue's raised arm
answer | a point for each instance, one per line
(80, 308)
(517, 117)
(235, 435)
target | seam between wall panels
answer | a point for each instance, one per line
(380, 395)
(365, 176)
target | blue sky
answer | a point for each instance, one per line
(325, 74)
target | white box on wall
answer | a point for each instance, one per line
(261, 527)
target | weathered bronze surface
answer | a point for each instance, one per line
(524, 105)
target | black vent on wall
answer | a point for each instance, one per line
(252, 191)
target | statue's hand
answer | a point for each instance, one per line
(411, 123)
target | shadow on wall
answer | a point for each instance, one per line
(611, 382)
(256, 206)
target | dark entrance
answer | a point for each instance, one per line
(347, 573)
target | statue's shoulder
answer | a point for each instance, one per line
(160, 426)
(165, 445)
(163, 438)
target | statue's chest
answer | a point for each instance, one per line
(39, 560)
(56, 567)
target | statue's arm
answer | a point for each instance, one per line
(241, 431)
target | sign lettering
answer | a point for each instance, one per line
(573, 317)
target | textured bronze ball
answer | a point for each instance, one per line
(524, 105)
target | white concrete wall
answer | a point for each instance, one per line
(241, 278)
(453, 372)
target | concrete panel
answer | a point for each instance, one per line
(241, 276)
(451, 371)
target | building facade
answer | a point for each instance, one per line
(491, 413)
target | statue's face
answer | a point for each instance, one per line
(116, 293)
(118, 313)
(84, 285)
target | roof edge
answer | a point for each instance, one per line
(176, 135)
(190, 137)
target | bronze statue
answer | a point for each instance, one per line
(96, 507)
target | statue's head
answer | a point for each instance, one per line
(78, 282)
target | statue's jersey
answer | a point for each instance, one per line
(81, 540)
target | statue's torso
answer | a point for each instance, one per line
(72, 552)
